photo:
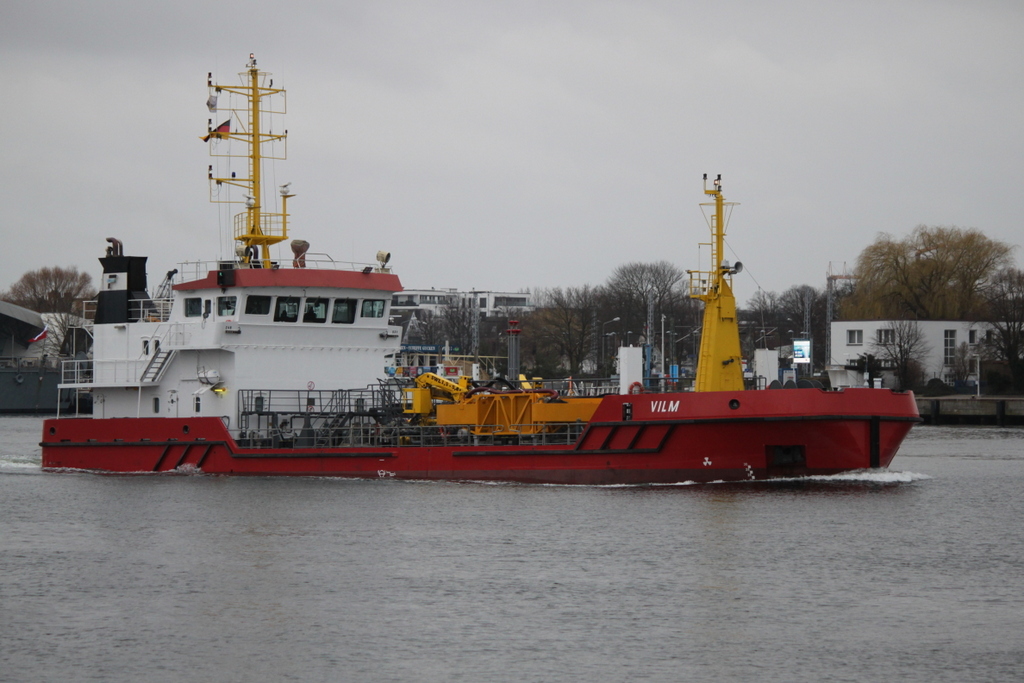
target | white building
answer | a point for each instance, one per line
(851, 339)
(433, 300)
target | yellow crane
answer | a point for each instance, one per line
(487, 410)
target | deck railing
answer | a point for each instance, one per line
(195, 270)
(368, 434)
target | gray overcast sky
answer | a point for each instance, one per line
(505, 145)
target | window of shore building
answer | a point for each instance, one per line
(948, 347)
(854, 337)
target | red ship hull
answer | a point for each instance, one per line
(645, 439)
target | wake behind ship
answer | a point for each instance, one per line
(260, 365)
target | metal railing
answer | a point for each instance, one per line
(144, 310)
(369, 417)
(20, 363)
(167, 337)
(121, 372)
(195, 270)
(603, 386)
(149, 310)
(311, 433)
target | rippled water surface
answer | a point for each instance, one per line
(911, 574)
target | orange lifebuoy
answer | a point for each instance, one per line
(636, 388)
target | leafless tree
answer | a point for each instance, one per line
(459, 317)
(57, 291)
(563, 322)
(632, 285)
(962, 363)
(902, 346)
(424, 327)
(1006, 315)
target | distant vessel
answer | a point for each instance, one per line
(261, 366)
(28, 375)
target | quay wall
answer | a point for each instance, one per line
(971, 410)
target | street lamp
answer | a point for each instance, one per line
(662, 344)
(603, 335)
(977, 379)
(615, 338)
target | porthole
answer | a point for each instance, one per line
(184, 429)
(734, 404)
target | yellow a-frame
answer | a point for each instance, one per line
(719, 365)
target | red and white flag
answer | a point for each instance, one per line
(41, 336)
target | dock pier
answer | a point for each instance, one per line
(997, 411)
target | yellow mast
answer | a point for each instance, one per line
(719, 366)
(254, 229)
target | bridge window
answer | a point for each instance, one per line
(373, 308)
(344, 311)
(257, 304)
(226, 305)
(287, 310)
(315, 311)
(193, 307)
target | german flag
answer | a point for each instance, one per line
(220, 132)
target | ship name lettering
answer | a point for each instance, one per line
(664, 406)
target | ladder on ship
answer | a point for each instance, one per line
(156, 367)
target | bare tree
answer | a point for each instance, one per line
(1006, 315)
(764, 307)
(902, 346)
(57, 291)
(563, 321)
(962, 366)
(459, 318)
(424, 327)
(631, 286)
